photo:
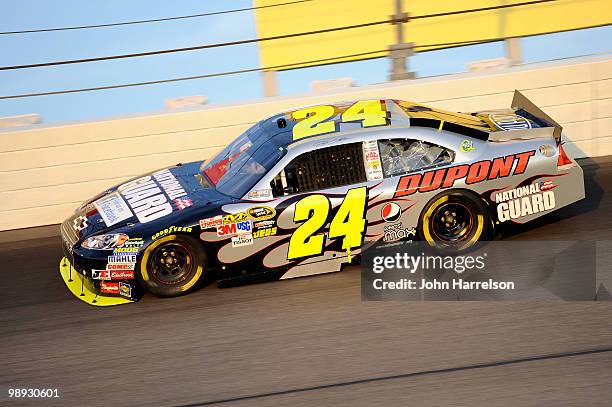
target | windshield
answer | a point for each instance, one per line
(242, 163)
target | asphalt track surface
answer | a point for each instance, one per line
(309, 341)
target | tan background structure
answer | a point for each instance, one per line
(517, 21)
(46, 171)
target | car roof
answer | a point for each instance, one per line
(400, 113)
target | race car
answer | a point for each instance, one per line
(306, 191)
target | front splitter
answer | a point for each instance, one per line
(82, 288)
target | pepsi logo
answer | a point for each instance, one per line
(391, 212)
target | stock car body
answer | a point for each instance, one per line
(305, 191)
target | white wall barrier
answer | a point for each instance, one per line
(46, 171)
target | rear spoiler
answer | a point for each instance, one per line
(526, 108)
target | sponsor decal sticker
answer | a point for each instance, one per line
(467, 146)
(242, 240)
(169, 230)
(261, 193)
(264, 232)
(182, 203)
(109, 287)
(126, 250)
(131, 246)
(390, 212)
(149, 196)
(261, 213)
(135, 242)
(113, 209)
(122, 275)
(372, 162)
(523, 201)
(125, 290)
(80, 223)
(234, 217)
(238, 228)
(263, 224)
(479, 171)
(169, 184)
(122, 258)
(546, 185)
(226, 230)
(100, 274)
(244, 227)
(397, 231)
(120, 266)
(211, 222)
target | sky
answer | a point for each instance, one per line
(40, 47)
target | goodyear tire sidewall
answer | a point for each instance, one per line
(478, 209)
(189, 284)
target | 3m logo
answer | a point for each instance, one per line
(226, 230)
(239, 228)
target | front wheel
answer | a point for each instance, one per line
(172, 266)
(455, 221)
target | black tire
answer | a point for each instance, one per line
(172, 265)
(454, 221)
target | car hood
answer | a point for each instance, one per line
(168, 194)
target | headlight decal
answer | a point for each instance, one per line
(105, 242)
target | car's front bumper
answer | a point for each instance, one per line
(76, 271)
(86, 290)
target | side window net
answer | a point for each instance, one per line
(401, 156)
(327, 167)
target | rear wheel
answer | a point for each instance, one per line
(172, 266)
(454, 221)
